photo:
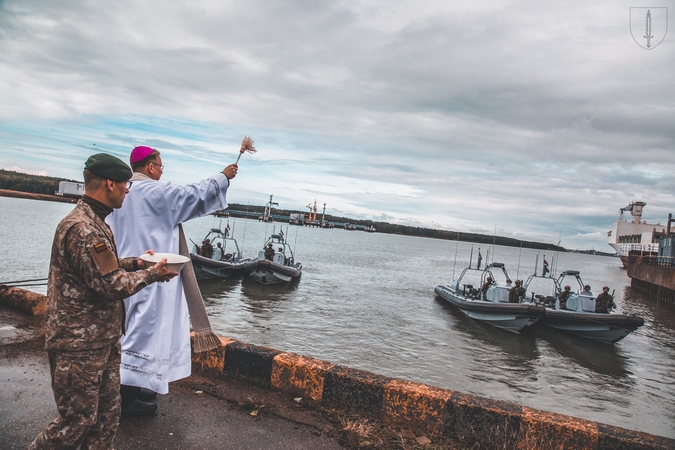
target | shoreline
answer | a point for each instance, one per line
(33, 196)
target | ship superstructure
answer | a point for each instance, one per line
(635, 234)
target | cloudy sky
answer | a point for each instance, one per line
(541, 119)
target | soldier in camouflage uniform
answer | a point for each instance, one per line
(516, 292)
(603, 301)
(484, 288)
(564, 295)
(85, 312)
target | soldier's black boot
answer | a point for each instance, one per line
(146, 394)
(132, 403)
(129, 393)
(138, 408)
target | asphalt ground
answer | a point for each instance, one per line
(204, 411)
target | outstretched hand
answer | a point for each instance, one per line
(231, 171)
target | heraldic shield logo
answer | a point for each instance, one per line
(648, 26)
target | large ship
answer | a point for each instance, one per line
(636, 234)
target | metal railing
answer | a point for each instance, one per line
(664, 262)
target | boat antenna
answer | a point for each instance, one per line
(295, 244)
(243, 238)
(536, 263)
(471, 257)
(519, 253)
(557, 252)
(494, 238)
(230, 233)
(267, 226)
(453, 266)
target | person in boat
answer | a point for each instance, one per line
(603, 301)
(281, 250)
(156, 346)
(564, 295)
(587, 291)
(218, 252)
(269, 252)
(207, 248)
(84, 315)
(486, 285)
(516, 292)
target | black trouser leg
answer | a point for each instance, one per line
(129, 393)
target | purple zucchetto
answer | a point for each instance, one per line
(139, 153)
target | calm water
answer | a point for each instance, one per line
(366, 301)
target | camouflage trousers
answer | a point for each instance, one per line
(86, 388)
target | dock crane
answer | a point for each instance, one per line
(267, 215)
(312, 212)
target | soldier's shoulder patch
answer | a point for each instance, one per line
(103, 257)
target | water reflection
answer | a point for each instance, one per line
(214, 291)
(521, 347)
(492, 356)
(254, 291)
(595, 356)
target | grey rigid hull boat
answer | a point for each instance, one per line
(282, 266)
(578, 315)
(226, 260)
(491, 307)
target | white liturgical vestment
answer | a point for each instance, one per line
(156, 343)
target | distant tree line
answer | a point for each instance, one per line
(38, 184)
(35, 184)
(385, 227)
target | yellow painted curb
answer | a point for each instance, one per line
(27, 302)
(299, 375)
(473, 421)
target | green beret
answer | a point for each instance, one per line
(108, 166)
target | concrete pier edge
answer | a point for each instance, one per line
(27, 302)
(464, 417)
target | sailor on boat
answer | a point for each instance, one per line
(516, 293)
(604, 302)
(207, 248)
(269, 252)
(486, 286)
(564, 295)
(218, 252)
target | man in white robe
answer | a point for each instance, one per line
(156, 344)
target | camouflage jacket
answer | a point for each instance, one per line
(602, 301)
(515, 294)
(88, 283)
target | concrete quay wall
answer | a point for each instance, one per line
(647, 275)
(470, 419)
(27, 302)
(658, 276)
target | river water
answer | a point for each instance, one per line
(366, 300)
